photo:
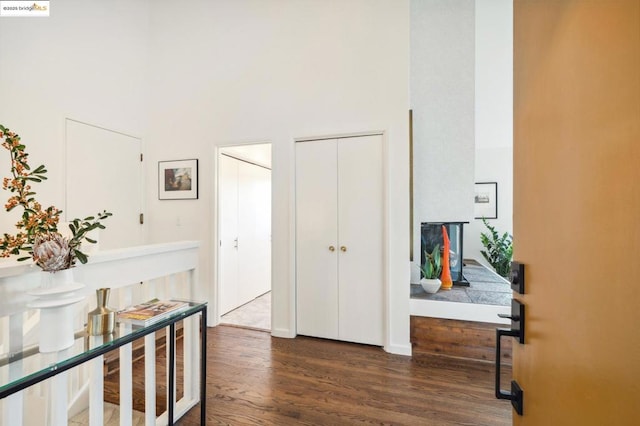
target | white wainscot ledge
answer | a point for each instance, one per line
(109, 268)
(459, 311)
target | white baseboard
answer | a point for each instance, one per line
(399, 349)
(282, 332)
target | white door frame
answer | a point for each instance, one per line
(214, 287)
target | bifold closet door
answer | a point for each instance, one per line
(339, 239)
(317, 238)
(360, 236)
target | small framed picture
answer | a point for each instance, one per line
(485, 201)
(178, 180)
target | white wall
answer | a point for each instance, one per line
(442, 99)
(233, 71)
(189, 79)
(493, 115)
(87, 61)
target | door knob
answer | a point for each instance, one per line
(343, 249)
(332, 248)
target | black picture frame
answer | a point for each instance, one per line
(485, 200)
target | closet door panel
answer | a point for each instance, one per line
(254, 229)
(360, 232)
(263, 228)
(316, 232)
(228, 199)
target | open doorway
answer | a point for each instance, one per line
(244, 243)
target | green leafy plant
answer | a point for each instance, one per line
(432, 267)
(499, 249)
(38, 234)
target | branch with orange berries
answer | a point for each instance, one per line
(37, 225)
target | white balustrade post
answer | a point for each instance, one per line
(14, 404)
(96, 393)
(126, 368)
(126, 388)
(150, 379)
(59, 400)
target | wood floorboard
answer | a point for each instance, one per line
(254, 379)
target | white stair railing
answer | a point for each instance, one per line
(135, 275)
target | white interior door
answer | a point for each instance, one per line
(316, 233)
(104, 172)
(228, 244)
(360, 228)
(254, 231)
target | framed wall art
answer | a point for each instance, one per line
(178, 180)
(485, 200)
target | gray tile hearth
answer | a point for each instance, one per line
(485, 288)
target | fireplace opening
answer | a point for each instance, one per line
(431, 235)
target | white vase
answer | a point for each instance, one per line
(430, 285)
(56, 299)
(56, 323)
(56, 279)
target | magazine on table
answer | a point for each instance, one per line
(149, 312)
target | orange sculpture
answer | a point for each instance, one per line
(447, 283)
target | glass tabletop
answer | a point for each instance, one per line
(27, 366)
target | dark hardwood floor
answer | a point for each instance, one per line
(253, 378)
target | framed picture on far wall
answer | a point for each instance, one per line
(485, 200)
(178, 180)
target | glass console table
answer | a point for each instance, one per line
(26, 366)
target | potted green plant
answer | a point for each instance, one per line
(431, 270)
(499, 249)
